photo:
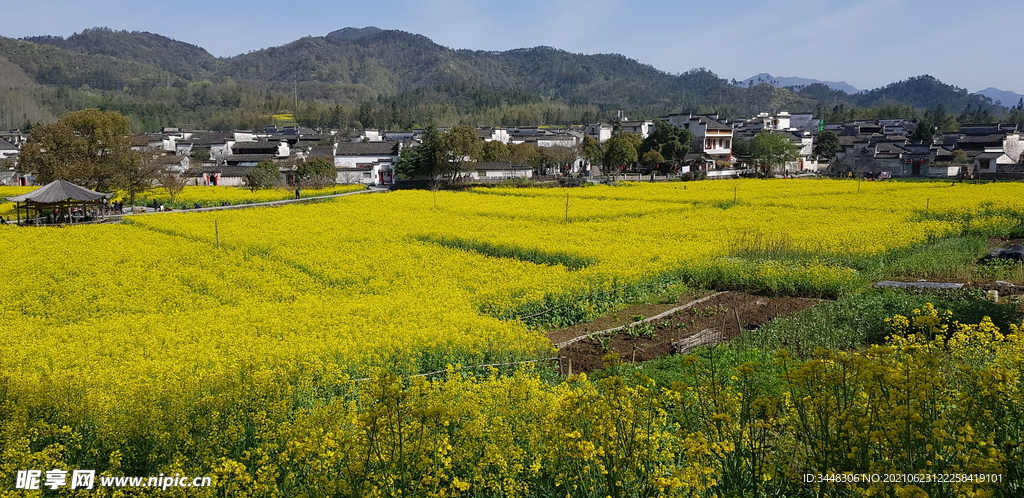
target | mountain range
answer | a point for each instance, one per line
(1003, 98)
(383, 77)
(793, 81)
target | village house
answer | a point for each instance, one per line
(990, 146)
(493, 135)
(712, 138)
(7, 150)
(404, 136)
(16, 138)
(217, 144)
(642, 128)
(366, 136)
(500, 171)
(366, 162)
(599, 131)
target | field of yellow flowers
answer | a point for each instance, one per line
(197, 196)
(7, 208)
(226, 344)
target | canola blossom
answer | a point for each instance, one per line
(226, 343)
(216, 196)
(7, 208)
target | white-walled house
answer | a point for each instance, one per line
(500, 170)
(599, 131)
(992, 145)
(366, 136)
(570, 139)
(493, 135)
(366, 162)
(642, 128)
(7, 150)
(712, 137)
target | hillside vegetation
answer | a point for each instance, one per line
(386, 78)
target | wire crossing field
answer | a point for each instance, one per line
(188, 341)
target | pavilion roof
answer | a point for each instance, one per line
(59, 191)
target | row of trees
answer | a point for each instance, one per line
(314, 173)
(93, 148)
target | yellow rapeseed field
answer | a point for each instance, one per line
(225, 343)
(215, 196)
(7, 208)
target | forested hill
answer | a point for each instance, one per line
(359, 73)
(179, 58)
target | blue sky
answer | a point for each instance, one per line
(867, 43)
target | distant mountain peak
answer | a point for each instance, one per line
(352, 33)
(1003, 97)
(784, 81)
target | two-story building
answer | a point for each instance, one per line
(366, 162)
(713, 138)
(989, 146)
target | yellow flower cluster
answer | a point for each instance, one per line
(226, 344)
(215, 196)
(7, 208)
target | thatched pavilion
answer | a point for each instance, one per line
(60, 203)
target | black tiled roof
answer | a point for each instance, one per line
(244, 158)
(367, 149)
(989, 155)
(983, 139)
(321, 151)
(269, 147)
(206, 138)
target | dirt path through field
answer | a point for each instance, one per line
(711, 319)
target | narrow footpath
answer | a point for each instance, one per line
(371, 190)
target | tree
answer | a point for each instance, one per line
(495, 151)
(423, 159)
(671, 141)
(934, 121)
(88, 147)
(525, 155)
(263, 175)
(560, 157)
(200, 155)
(1017, 114)
(591, 150)
(827, 144)
(772, 150)
(316, 173)
(652, 159)
(620, 150)
(459, 151)
(172, 181)
(137, 174)
(742, 146)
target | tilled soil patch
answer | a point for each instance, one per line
(717, 319)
